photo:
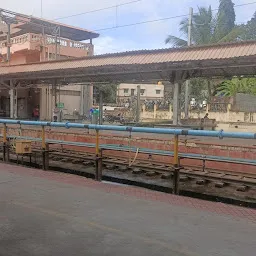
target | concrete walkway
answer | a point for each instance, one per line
(45, 213)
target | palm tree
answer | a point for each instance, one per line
(201, 29)
(204, 30)
(208, 28)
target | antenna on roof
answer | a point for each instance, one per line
(41, 8)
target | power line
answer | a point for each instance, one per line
(142, 22)
(98, 10)
(157, 20)
(237, 5)
(162, 19)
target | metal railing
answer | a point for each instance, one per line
(98, 147)
(32, 38)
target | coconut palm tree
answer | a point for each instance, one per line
(202, 29)
(206, 29)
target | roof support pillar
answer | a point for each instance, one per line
(13, 103)
(176, 103)
(86, 99)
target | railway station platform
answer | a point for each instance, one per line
(47, 213)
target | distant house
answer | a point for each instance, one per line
(147, 92)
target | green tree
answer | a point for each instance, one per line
(201, 29)
(249, 30)
(207, 28)
(108, 92)
(225, 22)
(237, 85)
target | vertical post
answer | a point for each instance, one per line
(41, 8)
(154, 111)
(189, 44)
(43, 148)
(55, 92)
(203, 165)
(97, 151)
(46, 156)
(176, 173)
(82, 100)
(87, 99)
(59, 93)
(11, 93)
(8, 42)
(138, 105)
(97, 143)
(101, 107)
(4, 142)
(13, 103)
(187, 99)
(190, 19)
(5, 133)
(43, 137)
(56, 47)
(176, 103)
(100, 165)
(176, 150)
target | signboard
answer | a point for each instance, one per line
(60, 105)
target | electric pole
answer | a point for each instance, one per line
(189, 44)
(8, 42)
(190, 26)
(8, 21)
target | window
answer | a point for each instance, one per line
(158, 91)
(142, 91)
(132, 92)
(126, 90)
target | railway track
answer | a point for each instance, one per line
(154, 169)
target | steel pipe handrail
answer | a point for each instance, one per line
(142, 150)
(217, 134)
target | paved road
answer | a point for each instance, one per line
(44, 213)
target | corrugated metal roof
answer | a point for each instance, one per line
(174, 55)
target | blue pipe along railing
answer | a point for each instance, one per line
(98, 147)
(219, 134)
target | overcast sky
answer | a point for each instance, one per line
(145, 36)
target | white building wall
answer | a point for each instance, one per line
(70, 95)
(151, 91)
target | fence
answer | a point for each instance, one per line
(98, 147)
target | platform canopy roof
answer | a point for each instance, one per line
(222, 60)
(30, 24)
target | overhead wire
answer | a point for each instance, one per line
(98, 10)
(125, 25)
(162, 19)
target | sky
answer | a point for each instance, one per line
(145, 36)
